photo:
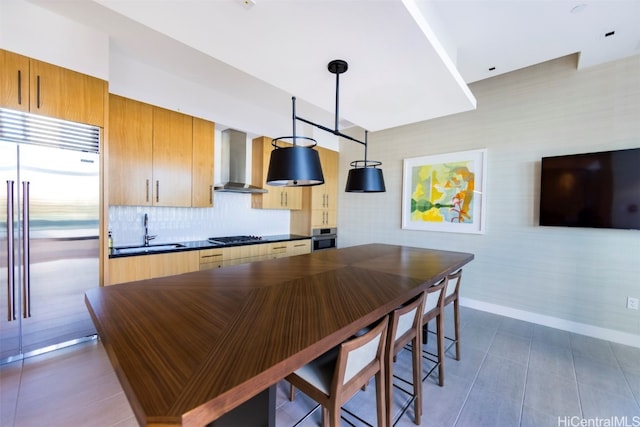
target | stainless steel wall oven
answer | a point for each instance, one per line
(324, 238)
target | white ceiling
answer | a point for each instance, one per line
(409, 60)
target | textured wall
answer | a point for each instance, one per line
(572, 278)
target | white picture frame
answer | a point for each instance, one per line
(445, 192)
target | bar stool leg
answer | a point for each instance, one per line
(417, 380)
(440, 331)
(292, 392)
(456, 316)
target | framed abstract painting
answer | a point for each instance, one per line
(445, 192)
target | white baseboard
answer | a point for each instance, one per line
(555, 322)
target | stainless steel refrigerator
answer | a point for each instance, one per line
(49, 225)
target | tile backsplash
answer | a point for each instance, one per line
(231, 215)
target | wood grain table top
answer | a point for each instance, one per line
(189, 348)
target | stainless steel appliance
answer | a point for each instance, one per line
(234, 240)
(233, 155)
(49, 224)
(324, 238)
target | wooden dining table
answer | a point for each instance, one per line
(195, 348)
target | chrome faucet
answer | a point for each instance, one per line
(147, 238)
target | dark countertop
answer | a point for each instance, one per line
(205, 244)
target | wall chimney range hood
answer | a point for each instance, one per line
(233, 153)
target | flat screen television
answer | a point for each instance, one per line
(595, 190)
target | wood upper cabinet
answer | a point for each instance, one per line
(324, 218)
(14, 81)
(172, 157)
(276, 197)
(324, 198)
(41, 88)
(202, 163)
(130, 150)
(158, 157)
(319, 202)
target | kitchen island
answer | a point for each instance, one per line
(190, 348)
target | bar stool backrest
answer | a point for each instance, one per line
(453, 285)
(434, 299)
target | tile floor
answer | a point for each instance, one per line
(512, 373)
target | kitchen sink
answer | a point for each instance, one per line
(147, 249)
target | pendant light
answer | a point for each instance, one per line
(365, 177)
(295, 165)
(299, 165)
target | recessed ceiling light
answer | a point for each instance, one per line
(247, 4)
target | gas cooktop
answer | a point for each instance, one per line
(234, 240)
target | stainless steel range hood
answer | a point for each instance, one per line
(233, 153)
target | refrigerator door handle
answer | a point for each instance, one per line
(26, 282)
(11, 289)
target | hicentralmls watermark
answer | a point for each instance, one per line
(576, 421)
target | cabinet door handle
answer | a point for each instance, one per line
(210, 256)
(158, 191)
(147, 190)
(281, 198)
(19, 87)
(286, 199)
(211, 194)
(38, 92)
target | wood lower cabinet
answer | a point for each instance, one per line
(38, 87)
(278, 250)
(211, 258)
(276, 197)
(298, 247)
(128, 269)
(245, 254)
(223, 257)
(158, 157)
(290, 248)
(142, 267)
